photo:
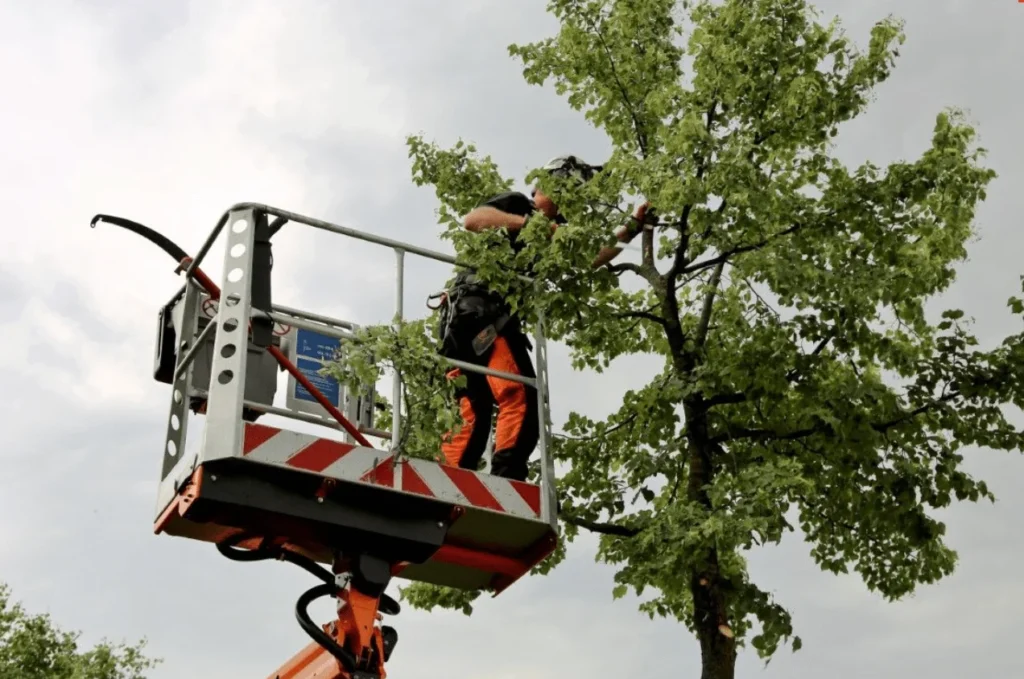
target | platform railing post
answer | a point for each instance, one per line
(174, 444)
(396, 391)
(548, 499)
(181, 388)
(224, 426)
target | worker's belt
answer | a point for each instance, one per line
(471, 316)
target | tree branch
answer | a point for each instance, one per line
(886, 426)
(629, 420)
(687, 280)
(648, 274)
(647, 247)
(679, 261)
(625, 266)
(645, 315)
(709, 300)
(759, 297)
(641, 136)
(791, 376)
(603, 528)
(725, 399)
(739, 250)
(744, 433)
(794, 374)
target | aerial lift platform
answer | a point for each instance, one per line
(352, 515)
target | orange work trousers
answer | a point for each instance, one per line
(518, 427)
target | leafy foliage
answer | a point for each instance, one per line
(785, 292)
(429, 397)
(33, 647)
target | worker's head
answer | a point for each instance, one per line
(562, 166)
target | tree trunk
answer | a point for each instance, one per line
(717, 647)
(710, 610)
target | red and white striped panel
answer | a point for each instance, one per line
(368, 465)
(469, 488)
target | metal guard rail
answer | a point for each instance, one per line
(343, 329)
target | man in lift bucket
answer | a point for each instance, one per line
(477, 328)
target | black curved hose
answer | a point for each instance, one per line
(229, 549)
(309, 565)
(344, 656)
(158, 239)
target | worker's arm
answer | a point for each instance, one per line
(509, 210)
(625, 234)
(487, 217)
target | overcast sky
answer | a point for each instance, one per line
(169, 112)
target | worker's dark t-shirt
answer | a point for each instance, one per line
(512, 202)
(515, 203)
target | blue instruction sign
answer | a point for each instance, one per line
(328, 386)
(311, 344)
(312, 352)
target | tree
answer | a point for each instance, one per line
(33, 647)
(801, 381)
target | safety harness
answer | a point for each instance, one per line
(470, 313)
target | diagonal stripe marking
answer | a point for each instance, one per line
(530, 494)
(319, 455)
(440, 485)
(277, 449)
(507, 495)
(353, 466)
(412, 482)
(383, 474)
(473, 488)
(256, 435)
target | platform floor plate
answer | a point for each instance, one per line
(345, 462)
(279, 471)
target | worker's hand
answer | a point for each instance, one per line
(643, 219)
(641, 211)
(646, 215)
